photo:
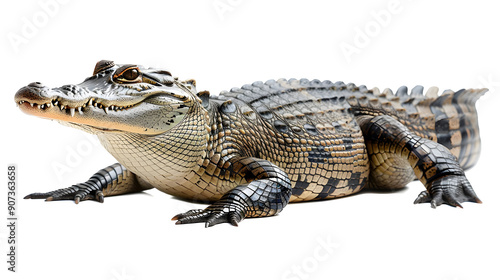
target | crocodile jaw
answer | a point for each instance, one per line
(125, 113)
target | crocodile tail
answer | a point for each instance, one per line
(455, 121)
(449, 118)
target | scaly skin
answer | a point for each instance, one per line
(253, 149)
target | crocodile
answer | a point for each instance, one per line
(250, 151)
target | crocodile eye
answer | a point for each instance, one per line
(128, 74)
(131, 74)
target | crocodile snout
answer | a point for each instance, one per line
(33, 92)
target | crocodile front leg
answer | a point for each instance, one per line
(397, 156)
(112, 180)
(267, 192)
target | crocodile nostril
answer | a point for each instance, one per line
(36, 84)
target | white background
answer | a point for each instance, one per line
(227, 43)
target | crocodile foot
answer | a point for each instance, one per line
(219, 212)
(77, 193)
(451, 190)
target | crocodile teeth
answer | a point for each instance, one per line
(56, 103)
(39, 106)
(31, 104)
(105, 109)
(80, 110)
(72, 111)
(48, 105)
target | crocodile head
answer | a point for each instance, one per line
(116, 98)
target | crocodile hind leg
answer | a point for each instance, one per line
(112, 180)
(266, 192)
(398, 156)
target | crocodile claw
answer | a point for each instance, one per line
(451, 190)
(211, 216)
(76, 192)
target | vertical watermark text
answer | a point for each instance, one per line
(12, 223)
